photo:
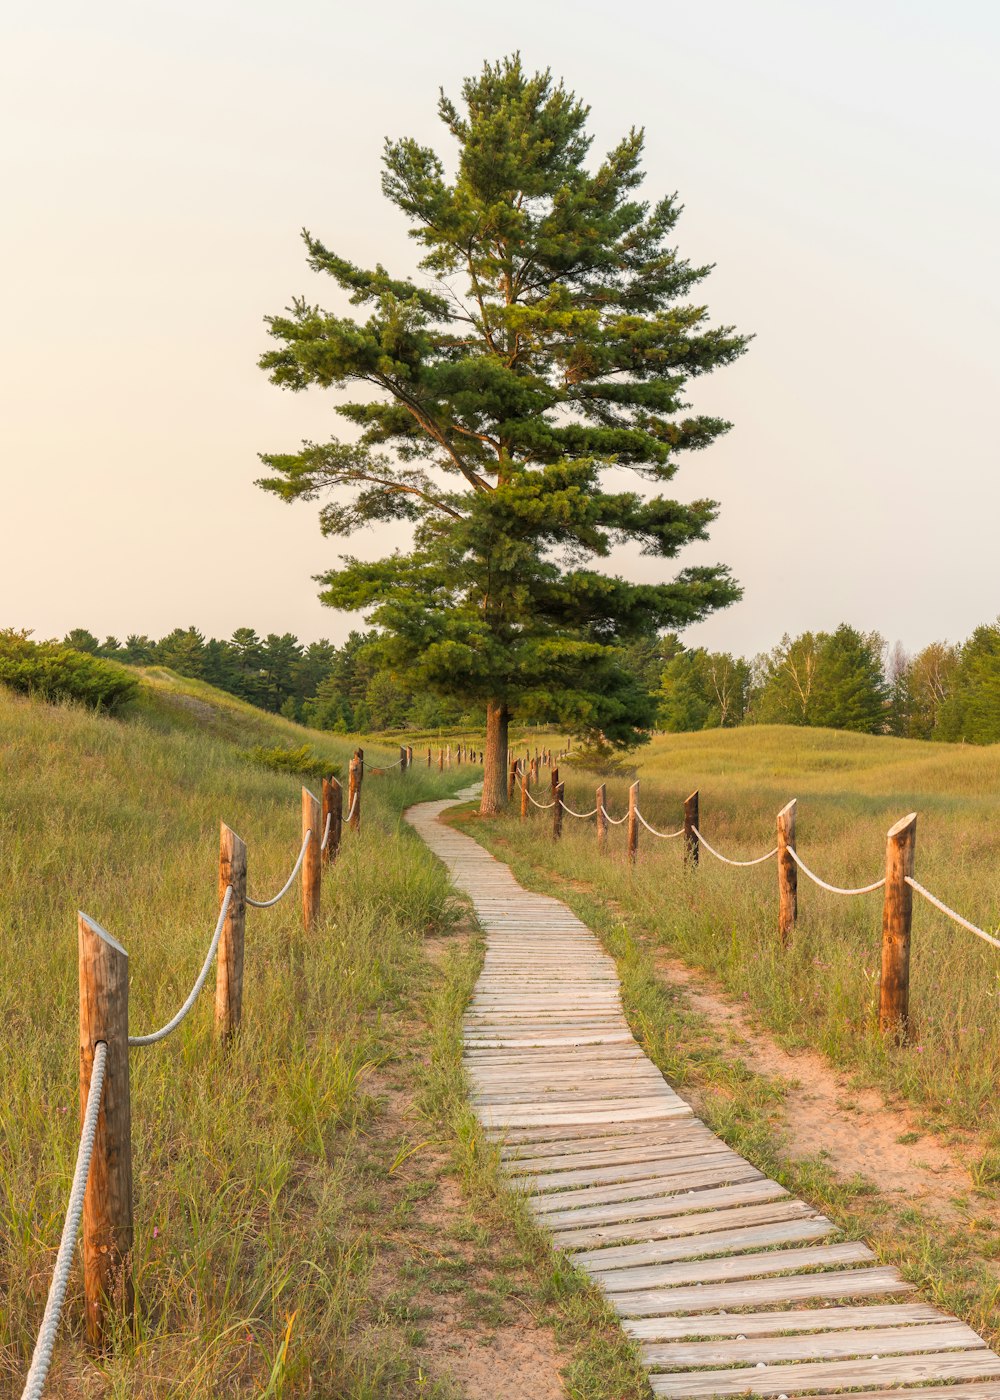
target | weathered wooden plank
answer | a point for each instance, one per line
(701, 1245)
(584, 1220)
(737, 1266)
(827, 1376)
(630, 1171)
(677, 1226)
(771, 1324)
(700, 1151)
(793, 1288)
(944, 1334)
(724, 1174)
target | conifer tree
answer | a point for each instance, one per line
(547, 344)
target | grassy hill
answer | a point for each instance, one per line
(246, 1173)
(822, 990)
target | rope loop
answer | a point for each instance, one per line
(833, 889)
(542, 806)
(725, 859)
(932, 899)
(175, 1021)
(615, 821)
(267, 903)
(326, 832)
(663, 835)
(582, 815)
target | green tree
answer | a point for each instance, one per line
(931, 682)
(551, 337)
(787, 680)
(833, 679)
(183, 650)
(971, 711)
(79, 639)
(704, 690)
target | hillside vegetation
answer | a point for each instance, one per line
(822, 990)
(252, 1242)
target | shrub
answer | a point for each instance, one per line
(302, 760)
(55, 672)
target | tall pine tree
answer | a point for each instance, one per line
(548, 344)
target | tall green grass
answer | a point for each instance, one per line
(822, 990)
(251, 1250)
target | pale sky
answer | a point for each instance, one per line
(838, 162)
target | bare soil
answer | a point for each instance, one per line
(854, 1130)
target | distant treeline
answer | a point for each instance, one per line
(843, 679)
(346, 689)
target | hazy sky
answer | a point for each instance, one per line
(838, 162)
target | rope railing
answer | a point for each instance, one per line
(663, 835)
(615, 821)
(104, 979)
(542, 806)
(42, 1356)
(759, 860)
(581, 815)
(833, 889)
(192, 997)
(269, 903)
(939, 904)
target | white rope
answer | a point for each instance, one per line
(542, 806)
(833, 889)
(931, 899)
(175, 1021)
(326, 832)
(615, 821)
(582, 815)
(663, 835)
(725, 859)
(354, 803)
(42, 1355)
(267, 903)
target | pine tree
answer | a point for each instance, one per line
(550, 338)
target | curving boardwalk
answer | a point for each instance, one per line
(728, 1283)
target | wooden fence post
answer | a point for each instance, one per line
(690, 823)
(428, 755)
(788, 873)
(409, 756)
(554, 779)
(632, 847)
(333, 807)
(312, 863)
(897, 913)
(524, 796)
(402, 758)
(601, 798)
(107, 1204)
(359, 754)
(441, 760)
(512, 780)
(229, 959)
(355, 775)
(557, 810)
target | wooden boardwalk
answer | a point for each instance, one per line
(728, 1283)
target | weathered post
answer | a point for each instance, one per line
(229, 959)
(524, 796)
(312, 862)
(557, 811)
(601, 798)
(441, 760)
(428, 755)
(333, 807)
(107, 1204)
(897, 913)
(359, 754)
(512, 780)
(402, 758)
(690, 827)
(632, 847)
(788, 874)
(409, 756)
(554, 779)
(355, 774)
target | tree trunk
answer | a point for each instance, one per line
(495, 759)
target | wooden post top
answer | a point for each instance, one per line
(788, 808)
(88, 925)
(902, 827)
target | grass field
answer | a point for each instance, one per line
(277, 1188)
(822, 990)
